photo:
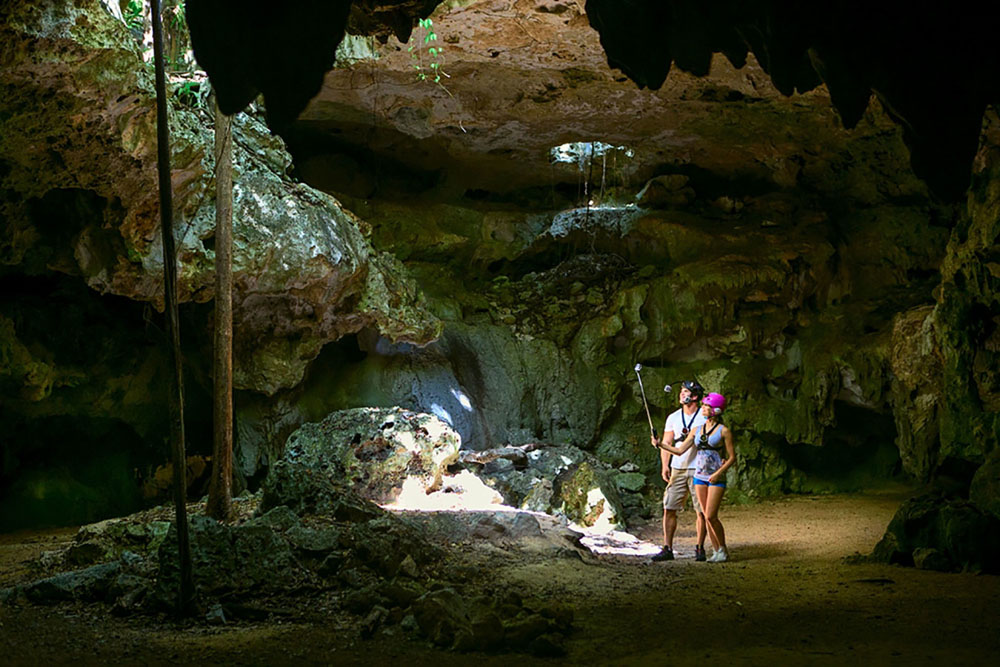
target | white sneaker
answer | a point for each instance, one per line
(720, 556)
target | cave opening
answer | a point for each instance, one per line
(858, 453)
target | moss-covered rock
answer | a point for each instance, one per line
(376, 449)
(964, 537)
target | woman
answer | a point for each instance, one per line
(711, 438)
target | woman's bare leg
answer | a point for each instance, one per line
(700, 531)
(702, 492)
(711, 507)
(699, 524)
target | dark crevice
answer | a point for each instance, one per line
(859, 452)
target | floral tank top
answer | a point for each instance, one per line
(709, 456)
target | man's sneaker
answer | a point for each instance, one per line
(666, 553)
(699, 554)
(720, 556)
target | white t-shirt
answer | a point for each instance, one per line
(676, 423)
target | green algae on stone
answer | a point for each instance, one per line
(582, 492)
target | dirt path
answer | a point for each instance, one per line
(787, 596)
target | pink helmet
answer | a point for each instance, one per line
(715, 401)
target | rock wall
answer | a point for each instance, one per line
(787, 308)
(966, 319)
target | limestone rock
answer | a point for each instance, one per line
(112, 537)
(280, 518)
(916, 367)
(377, 448)
(633, 482)
(966, 312)
(305, 491)
(564, 481)
(385, 543)
(88, 584)
(925, 558)
(452, 620)
(227, 559)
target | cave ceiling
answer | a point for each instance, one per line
(756, 90)
(524, 77)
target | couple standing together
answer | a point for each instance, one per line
(696, 450)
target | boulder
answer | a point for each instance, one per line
(985, 490)
(88, 584)
(376, 448)
(942, 534)
(529, 532)
(564, 481)
(453, 620)
(926, 558)
(108, 539)
(304, 491)
(390, 545)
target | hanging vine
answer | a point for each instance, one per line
(425, 54)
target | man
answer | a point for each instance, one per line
(678, 471)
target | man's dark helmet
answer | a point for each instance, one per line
(695, 388)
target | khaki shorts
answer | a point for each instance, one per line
(681, 486)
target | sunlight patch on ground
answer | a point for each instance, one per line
(618, 543)
(465, 492)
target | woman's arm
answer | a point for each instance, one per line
(684, 446)
(727, 437)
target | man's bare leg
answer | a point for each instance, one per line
(669, 528)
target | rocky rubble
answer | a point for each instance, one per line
(313, 533)
(561, 481)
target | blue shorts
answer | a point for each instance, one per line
(704, 482)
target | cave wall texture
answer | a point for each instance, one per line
(817, 238)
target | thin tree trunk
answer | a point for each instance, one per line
(220, 504)
(185, 601)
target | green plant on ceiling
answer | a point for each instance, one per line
(179, 19)
(425, 54)
(133, 15)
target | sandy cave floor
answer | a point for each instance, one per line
(787, 597)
